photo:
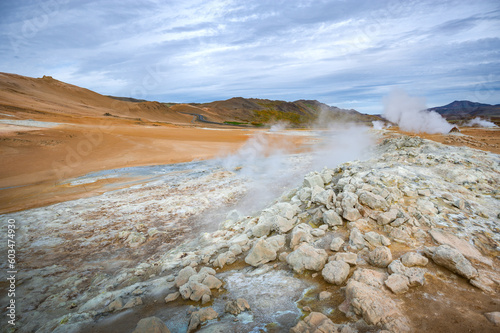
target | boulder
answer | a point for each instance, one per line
(316, 322)
(226, 258)
(307, 257)
(453, 260)
(416, 276)
(324, 295)
(493, 317)
(336, 244)
(387, 217)
(374, 306)
(347, 257)
(376, 239)
(321, 196)
(381, 256)
(194, 291)
(356, 239)
(411, 259)
(265, 250)
(349, 201)
(312, 180)
(212, 282)
(335, 272)
(172, 297)
(201, 316)
(397, 283)
(370, 277)
(151, 325)
(300, 234)
(331, 218)
(184, 275)
(373, 201)
(237, 306)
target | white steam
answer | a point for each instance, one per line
(270, 170)
(379, 125)
(480, 123)
(411, 114)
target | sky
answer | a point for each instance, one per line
(348, 54)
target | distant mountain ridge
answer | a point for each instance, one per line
(467, 109)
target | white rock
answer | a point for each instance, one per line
(381, 256)
(312, 180)
(450, 258)
(331, 218)
(411, 259)
(336, 244)
(307, 257)
(347, 257)
(335, 272)
(397, 283)
(373, 201)
(301, 233)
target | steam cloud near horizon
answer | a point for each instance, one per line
(411, 114)
(480, 123)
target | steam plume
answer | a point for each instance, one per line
(480, 123)
(411, 114)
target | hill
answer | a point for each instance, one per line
(463, 110)
(46, 97)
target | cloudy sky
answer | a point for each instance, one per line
(344, 53)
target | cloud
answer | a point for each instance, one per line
(334, 51)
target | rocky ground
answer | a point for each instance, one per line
(406, 241)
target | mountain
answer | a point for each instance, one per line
(46, 97)
(466, 109)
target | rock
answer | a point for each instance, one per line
(135, 239)
(324, 295)
(151, 325)
(300, 234)
(226, 258)
(336, 244)
(370, 277)
(194, 291)
(462, 245)
(426, 207)
(349, 201)
(235, 249)
(184, 275)
(387, 217)
(356, 239)
(212, 282)
(483, 283)
(335, 272)
(373, 201)
(374, 306)
(396, 267)
(494, 317)
(416, 276)
(351, 214)
(307, 257)
(322, 196)
(316, 322)
(312, 180)
(376, 239)
(411, 259)
(205, 299)
(172, 297)
(450, 258)
(381, 256)
(318, 232)
(237, 306)
(397, 283)
(264, 250)
(116, 305)
(347, 257)
(133, 302)
(331, 218)
(201, 316)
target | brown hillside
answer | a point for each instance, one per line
(39, 98)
